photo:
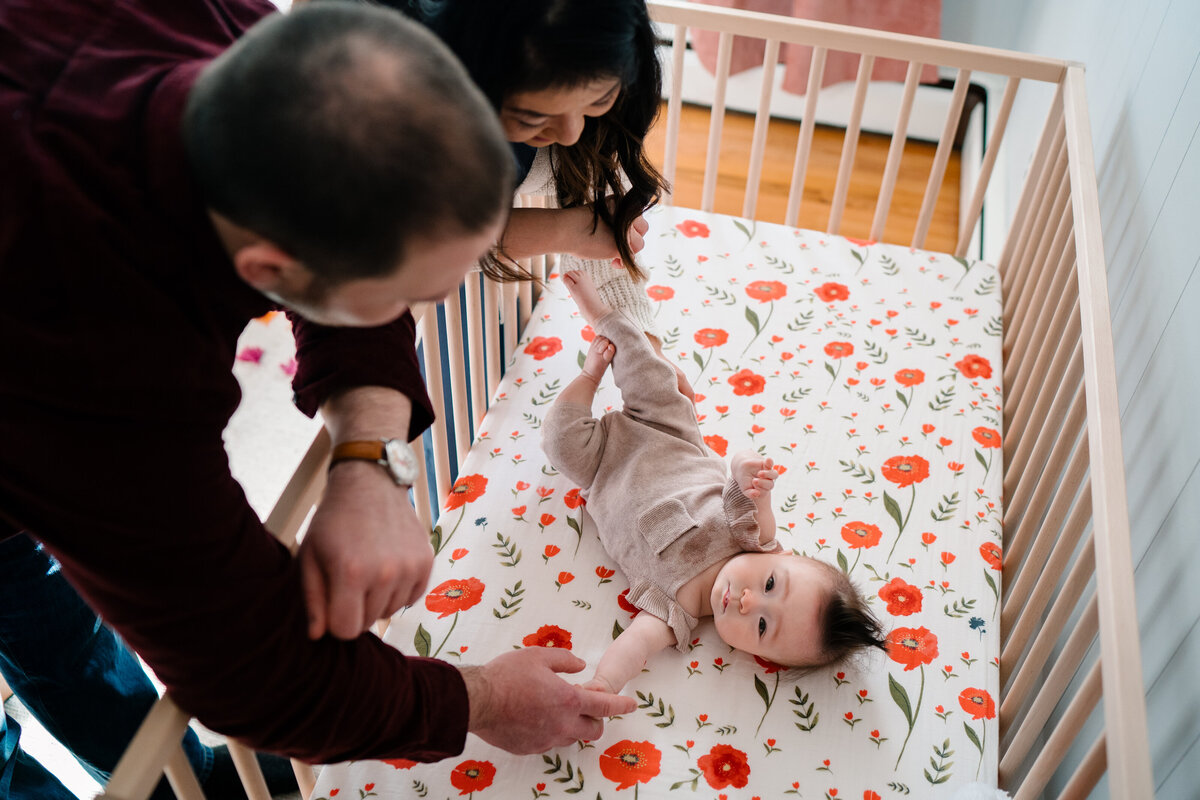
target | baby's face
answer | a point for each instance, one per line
(770, 605)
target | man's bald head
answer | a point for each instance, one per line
(341, 132)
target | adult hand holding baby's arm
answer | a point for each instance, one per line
(626, 656)
(520, 704)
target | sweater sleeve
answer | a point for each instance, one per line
(331, 359)
(178, 563)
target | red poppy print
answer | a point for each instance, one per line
(623, 602)
(830, 292)
(543, 347)
(991, 554)
(766, 291)
(910, 377)
(770, 667)
(746, 383)
(472, 776)
(912, 647)
(717, 444)
(693, 229)
(467, 489)
(859, 242)
(902, 598)
(711, 337)
(454, 595)
(587, 334)
(986, 436)
(839, 349)
(628, 762)
(400, 763)
(978, 703)
(549, 636)
(905, 470)
(725, 766)
(573, 499)
(861, 534)
(974, 366)
(659, 293)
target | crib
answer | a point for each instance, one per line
(1066, 603)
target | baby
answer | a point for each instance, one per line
(692, 542)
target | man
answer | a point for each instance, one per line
(163, 185)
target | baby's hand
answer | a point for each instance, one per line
(598, 684)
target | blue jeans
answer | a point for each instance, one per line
(73, 674)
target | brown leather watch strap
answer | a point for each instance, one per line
(367, 451)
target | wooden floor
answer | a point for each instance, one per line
(820, 180)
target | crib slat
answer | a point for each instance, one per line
(1090, 770)
(511, 319)
(716, 122)
(762, 122)
(458, 371)
(1050, 406)
(431, 345)
(1036, 486)
(674, 108)
(1032, 620)
(1059, 311)
(1050, 188)
(1060, 740)
(475, 325)
(1022, 223)
(491, 315)
(1125, 709)
(420, 494)
(816, 72)
(850, 144)
(1029, 567)
(302, 491)
(895, 150)
(141, 765)
(248, 770)
(941, 157)
(971, 219)
(183, 779)
(1031, 290)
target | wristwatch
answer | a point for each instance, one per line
(394, 455)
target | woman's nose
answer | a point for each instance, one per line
(569, 129)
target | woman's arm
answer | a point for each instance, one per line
(626, 656)
(536, 231)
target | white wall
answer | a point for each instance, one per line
(1144, 94)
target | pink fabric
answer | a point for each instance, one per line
(917, 17)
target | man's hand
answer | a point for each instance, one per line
(365, 555)
(519, 704)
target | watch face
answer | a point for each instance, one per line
(401, 461)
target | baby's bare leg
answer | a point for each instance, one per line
(756, 476)
(583, 389)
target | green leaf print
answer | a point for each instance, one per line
(422, 641)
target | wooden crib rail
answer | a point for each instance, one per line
(1064, 475)
(1067, 615)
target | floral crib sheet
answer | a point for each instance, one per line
(870, 374)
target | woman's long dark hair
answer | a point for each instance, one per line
(513, 46)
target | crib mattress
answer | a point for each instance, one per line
(871, 374)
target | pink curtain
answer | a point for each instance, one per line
(917, 17)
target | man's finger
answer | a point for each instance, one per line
(601, 704)
(560, 660)
(346, 611)
(313, 582)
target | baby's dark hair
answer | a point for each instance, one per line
(848, 624)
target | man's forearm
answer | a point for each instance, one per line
(367, 412)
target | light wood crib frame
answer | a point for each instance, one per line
(1067, 566)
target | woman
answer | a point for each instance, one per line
(582, 78)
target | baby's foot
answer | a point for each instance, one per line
(598, 357)
(583, 290)
(754, 473)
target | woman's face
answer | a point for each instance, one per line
(556, 115)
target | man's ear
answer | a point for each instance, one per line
(269, 269)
